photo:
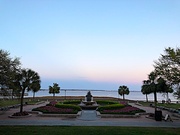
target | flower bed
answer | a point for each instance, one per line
(125, 110)
(58, 108)
(55, 110)
(119, 108)
(53, 103)
(20, 114)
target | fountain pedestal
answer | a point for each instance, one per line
(88, 103)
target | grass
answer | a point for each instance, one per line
(145, 103)
(10, 102)
(57, 130)
(170, 105)
(4, 103)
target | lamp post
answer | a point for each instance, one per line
(65, 94)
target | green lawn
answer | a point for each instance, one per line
(4, 103)
(171, 105)
(174, 106)
(145, 103)
(59, 130)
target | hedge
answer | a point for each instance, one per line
(106, 102)
(110, 107)
(74, 102)
(69, 106)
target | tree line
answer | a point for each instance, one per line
(165, 78)
(18, 79)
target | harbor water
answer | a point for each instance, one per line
(133, 95)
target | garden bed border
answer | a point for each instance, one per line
(137, 115)
(55, 115)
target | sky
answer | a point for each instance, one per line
(89, 44)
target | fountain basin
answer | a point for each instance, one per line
(90, 105)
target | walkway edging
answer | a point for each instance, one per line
(119, 116)
(55, 115)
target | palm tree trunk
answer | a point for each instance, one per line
(22, 97)
(12, 93)
(167, 96)
(33, 95)
(123, 97)
(146, 98)
(155, 100)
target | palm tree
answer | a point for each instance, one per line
(35, 87)
(153, 87)
(145, 89)
(123, 90)
(54, 89)
(26, 80)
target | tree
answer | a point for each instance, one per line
(26, 79)
(177, 93)
(8, 70)
(145, 89)
(123, 90)
(164, 87)
(168, 67)
(55, 89)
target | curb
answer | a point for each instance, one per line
(55, 115)
(38, 103)
(176, 115)
(26, 116)
(117, 115)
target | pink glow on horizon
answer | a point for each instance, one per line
(112, 77)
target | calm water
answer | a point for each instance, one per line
(133, 95)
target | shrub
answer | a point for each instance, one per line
(74, 102)
(69, 106)
(106, 102)
(110, 107)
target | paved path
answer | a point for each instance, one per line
(152, 110)
(88, 118)
(88, 115)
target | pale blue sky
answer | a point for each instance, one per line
(92, 44)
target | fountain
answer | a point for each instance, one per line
(88, 103)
